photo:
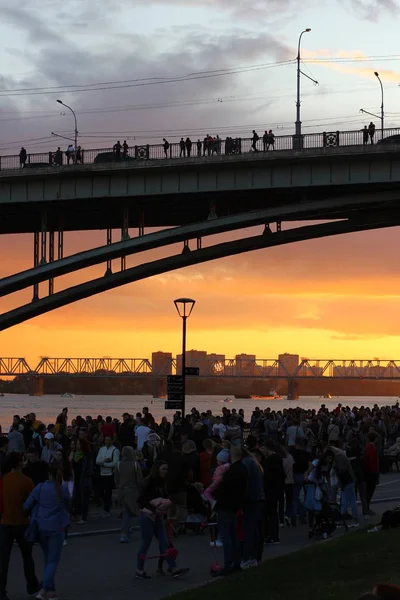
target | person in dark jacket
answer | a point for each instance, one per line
(192, 461)
(274, 484)
(176, 483)
(36, 469)
(126, 434)
(154, 504)
(83, 468)
(252, 510)
(230, 496)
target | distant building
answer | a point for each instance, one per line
(216, 364)
(245, 365)
(161, 363)
(288, 364)
(194, 358)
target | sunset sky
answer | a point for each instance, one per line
(332, 298)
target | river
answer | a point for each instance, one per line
(47, 407)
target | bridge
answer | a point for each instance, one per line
(334, 179)
(266, 368)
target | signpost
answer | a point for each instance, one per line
(176, 392)
(176, 388)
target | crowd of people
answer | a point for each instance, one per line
(243, 481)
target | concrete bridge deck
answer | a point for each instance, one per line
(174, 192)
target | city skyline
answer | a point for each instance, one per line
(332, 297)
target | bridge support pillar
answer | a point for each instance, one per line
(109, 242)
(35, 263)
(141, 226)
(60, 245)
(159, 387)
(43, 241)
(124, 234)
(292, 393)
(36, 386)
(51, 259)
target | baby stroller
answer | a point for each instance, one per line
(326, 520)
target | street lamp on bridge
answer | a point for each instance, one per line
(76, 124)
(382, 115)
(184, 306)
(298, 140)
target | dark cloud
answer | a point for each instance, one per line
(62, 61)
(372, 9)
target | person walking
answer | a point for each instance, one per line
(14, 521)
(154, 504)
(107, 460)
(166, 147)
(51, 502)
(254, 141)
(128, 481)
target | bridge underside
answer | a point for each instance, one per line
(172, 210)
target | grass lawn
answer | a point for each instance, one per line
(341, 569)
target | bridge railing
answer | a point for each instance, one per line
(229, 146)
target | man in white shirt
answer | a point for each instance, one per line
(141, 435)
(293, 433)
(107, 459)
(219, 428)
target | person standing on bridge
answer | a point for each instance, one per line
(117, 150)
(365, 133)
(188, 144)
(166, 147)
(182, 146)
(125, 149)
(254, 140)
(371, 131)
(22, 157)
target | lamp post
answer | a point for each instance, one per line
(298, 139)
(76, 124)
(382, 110)
(184, 306)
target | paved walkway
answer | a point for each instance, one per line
(100, 567)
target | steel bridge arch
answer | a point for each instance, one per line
(333, 208)
(267, 239)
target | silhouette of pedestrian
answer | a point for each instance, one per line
(70, 153)
(188, 144)
(117, 150)
(265, 141)
(79, 156)
(182, 146)
(199, 147)
(270, 140)
(365, 133)
(22, 157)
(255, 139)
(125, 149)
(371, 131)
(166, 147)
(58, 157)
(207, 145)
